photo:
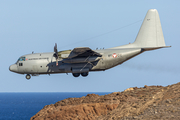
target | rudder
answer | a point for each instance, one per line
(150, 33)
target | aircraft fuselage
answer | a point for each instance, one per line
(45, 63)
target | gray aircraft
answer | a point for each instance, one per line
(82, 60)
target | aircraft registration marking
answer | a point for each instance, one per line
(114, 55)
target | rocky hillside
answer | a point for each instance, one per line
(149, 102)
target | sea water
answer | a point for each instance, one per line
(22, 106)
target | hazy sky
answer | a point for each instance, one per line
(27, 26)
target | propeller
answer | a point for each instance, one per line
(56, 54)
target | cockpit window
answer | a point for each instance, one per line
(21, 59)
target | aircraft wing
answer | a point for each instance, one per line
(83, 52)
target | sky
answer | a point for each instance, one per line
(32, 25)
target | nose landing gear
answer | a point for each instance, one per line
(28, 76)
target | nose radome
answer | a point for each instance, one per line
(13, 68)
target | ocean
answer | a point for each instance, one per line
(22, 106)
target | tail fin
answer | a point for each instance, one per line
(150, 33)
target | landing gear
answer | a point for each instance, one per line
(76, 74)
(28, 76)
(84, 74)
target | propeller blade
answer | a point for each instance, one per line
(55, 48)
(56, 54)
(56, 62)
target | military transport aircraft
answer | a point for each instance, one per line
(82, 60)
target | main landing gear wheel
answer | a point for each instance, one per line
(84, 74)
(76, 74)
(28, 76)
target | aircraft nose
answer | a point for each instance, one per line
(13, 68)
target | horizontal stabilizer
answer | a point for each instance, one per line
(153, 48)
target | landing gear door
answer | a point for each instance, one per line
(102, 63)
(35, 69)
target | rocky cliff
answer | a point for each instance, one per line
(149, 102)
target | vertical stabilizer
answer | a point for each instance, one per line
(150, 33)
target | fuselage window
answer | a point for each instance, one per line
(20, 64)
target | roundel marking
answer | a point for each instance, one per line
(114, 55)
